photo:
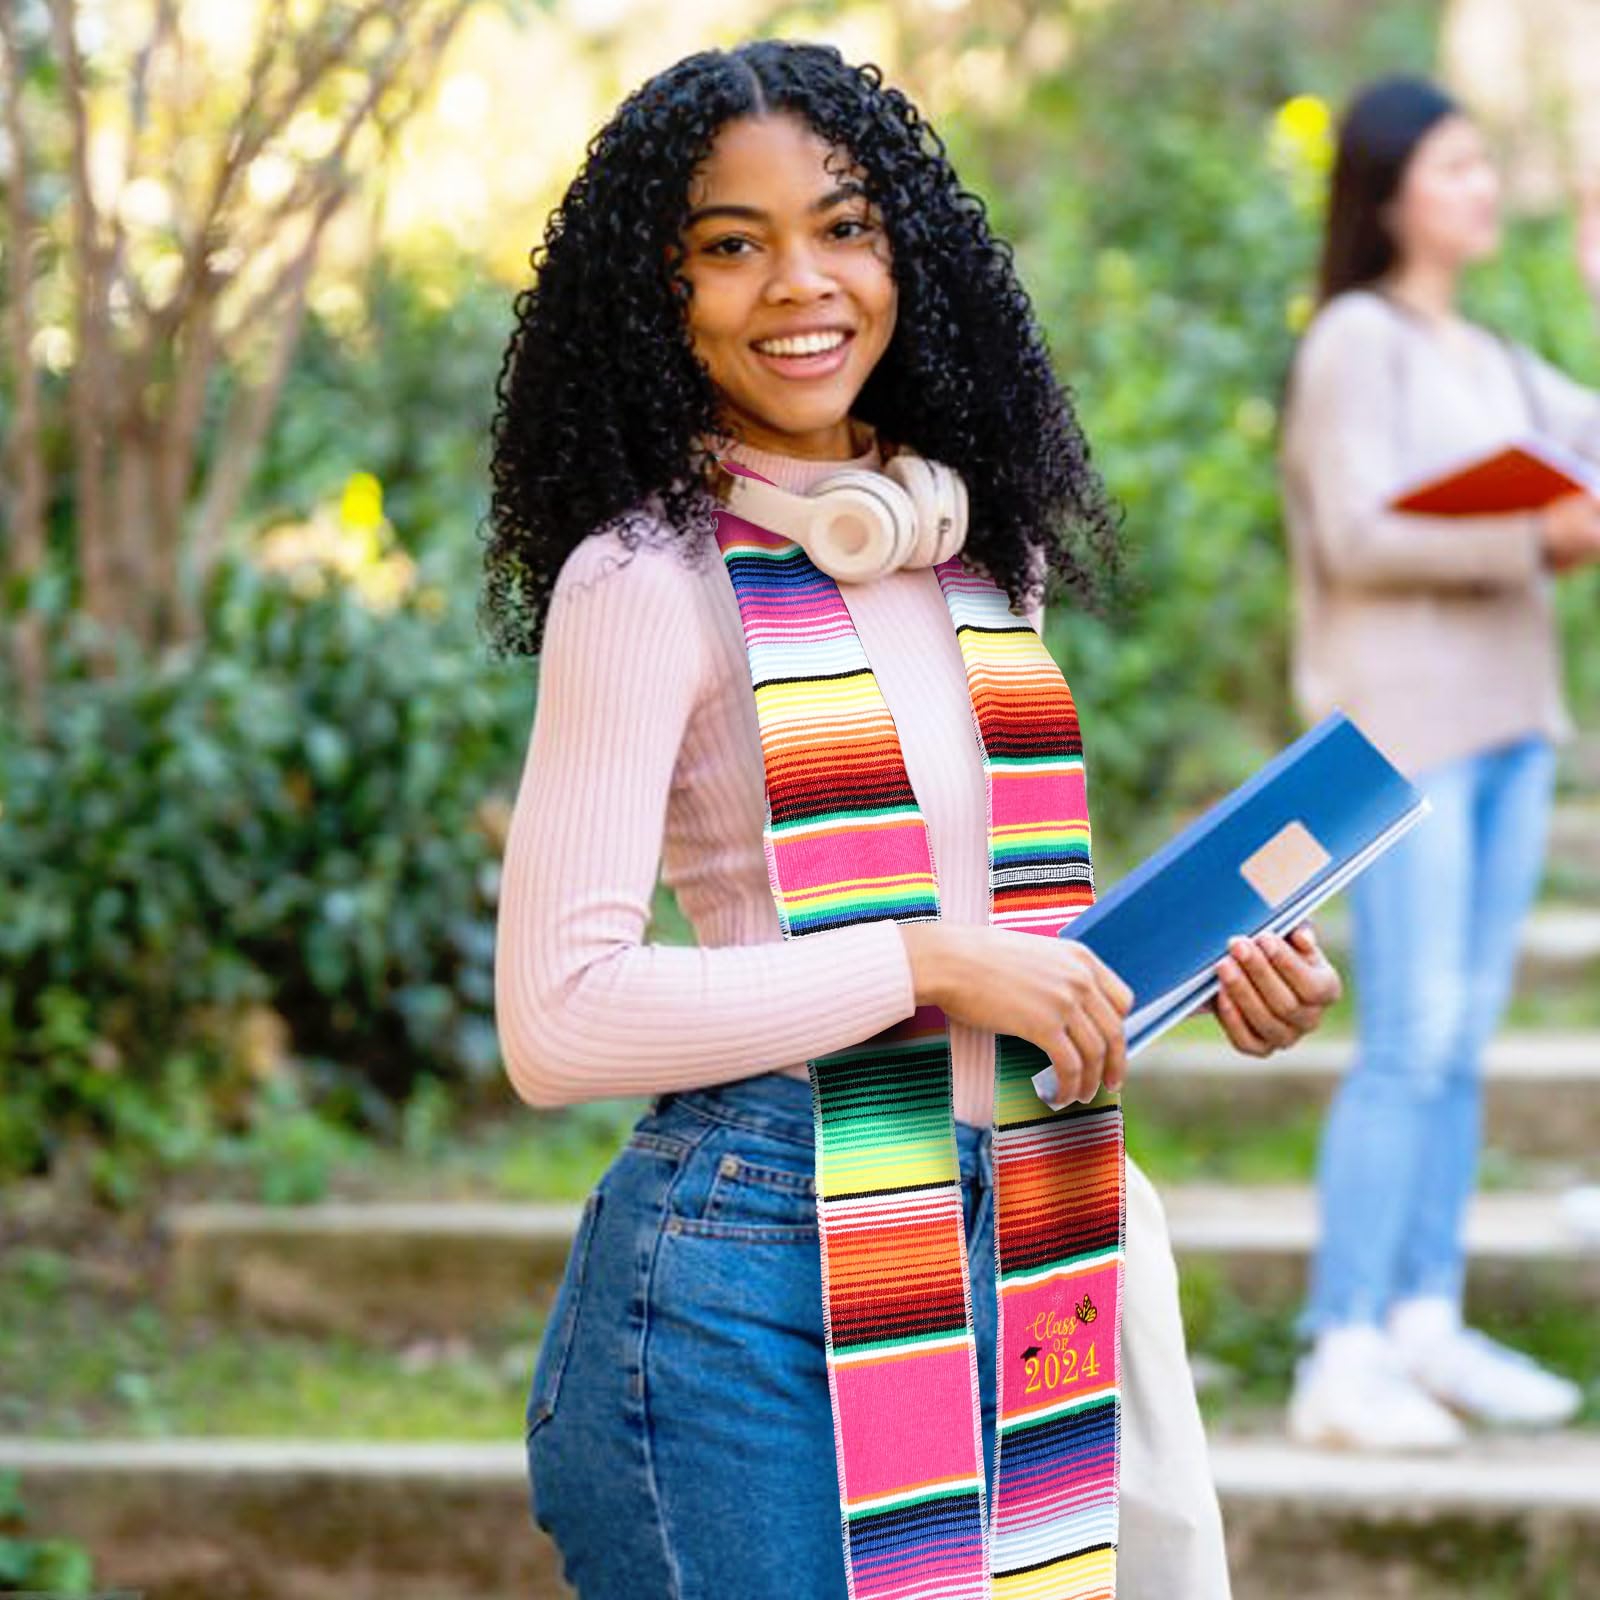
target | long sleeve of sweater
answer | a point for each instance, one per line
(1569, 409)
(585, 1007)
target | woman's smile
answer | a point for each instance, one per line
(805, 355)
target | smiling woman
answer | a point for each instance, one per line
(853, 1312)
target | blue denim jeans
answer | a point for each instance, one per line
(1437, 922)
(680, 1440)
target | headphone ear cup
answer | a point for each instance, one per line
(940, 499)
(858, 525)
(917, 477)
(957, 535)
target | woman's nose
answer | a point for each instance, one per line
(798, 273)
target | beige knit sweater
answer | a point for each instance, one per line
(1436, 635)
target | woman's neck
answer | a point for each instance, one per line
(848, 440)
(1425, 287)
(796, 472)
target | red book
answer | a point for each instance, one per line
(1525, 475)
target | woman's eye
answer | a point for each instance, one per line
(854, 227)
(730, 245)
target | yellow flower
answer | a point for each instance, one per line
(1302, 133)
(361, 504)
(1305, 118)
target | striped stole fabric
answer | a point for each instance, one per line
(846, 843)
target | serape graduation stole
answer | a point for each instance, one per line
(846, 843)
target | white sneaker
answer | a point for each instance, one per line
(1352, 1393)
(1470, 1372)
(1581, 1208)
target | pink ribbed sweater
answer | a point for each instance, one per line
(645, 756)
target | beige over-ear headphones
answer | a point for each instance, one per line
(857, 525)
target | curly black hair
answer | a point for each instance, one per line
(601, 400)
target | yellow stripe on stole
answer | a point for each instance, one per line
(845, 888)
(813, 697)
(1091, 1576)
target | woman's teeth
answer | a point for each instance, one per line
(804, 344)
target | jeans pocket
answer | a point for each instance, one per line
(758, 1200)
(557, 1345)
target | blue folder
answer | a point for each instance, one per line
(1262, 859)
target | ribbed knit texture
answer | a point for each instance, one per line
(645, 753)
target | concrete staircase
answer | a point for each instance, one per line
(303, 1520)
(181, 1519)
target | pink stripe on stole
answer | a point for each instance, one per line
(885, 1411)
(1029, 797)
(736, 531)
(825, 857)
(1043, 1318)
(778, 603)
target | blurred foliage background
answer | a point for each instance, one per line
(247, 867)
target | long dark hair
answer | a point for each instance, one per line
(1380, 131)
(601, 400)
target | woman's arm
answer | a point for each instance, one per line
(1345, 447)
(1566, 409)
(585, 1009)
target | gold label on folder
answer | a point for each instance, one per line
(1288, 861)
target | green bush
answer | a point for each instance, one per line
(276, 854)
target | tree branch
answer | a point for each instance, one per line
(91, 369)
(24, 445)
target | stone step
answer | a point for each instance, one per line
(410, 1268)
(256, 1519)
(1509, 1516)
(1579, 772)
(303, 1520)
(1523, 1250)
(1574, 851)
(1560, 946)
(438, 1269)
(1541, 1090)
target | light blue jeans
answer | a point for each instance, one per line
(1437, 922)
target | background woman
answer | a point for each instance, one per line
(1438, 637)
(768, 252)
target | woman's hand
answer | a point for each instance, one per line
(1570, 531)
(1274, 990)
(1055, 993)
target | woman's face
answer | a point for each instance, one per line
(793, 301)
(1447, 210)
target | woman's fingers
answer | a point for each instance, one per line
(1086, 1034)
(1273, 991)
(1306, 969)
(1105, 1017)
(1260, 995)
(1067, 1065)
(1240, 1034)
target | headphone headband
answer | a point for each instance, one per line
(857, 524)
